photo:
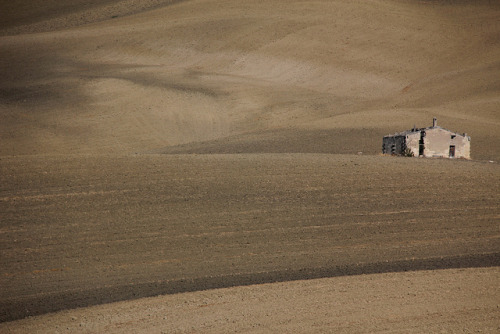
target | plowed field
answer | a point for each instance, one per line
(83, 230)
(152, 147)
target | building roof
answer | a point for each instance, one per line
(415, 129)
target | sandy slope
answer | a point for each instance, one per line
(84, 79)
(443, 301)
(201, 70)
(34, 16)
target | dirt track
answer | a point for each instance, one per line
(82, 230)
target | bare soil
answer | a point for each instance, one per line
(195, 71)
(154, 147)
(438, 301)
(84, 230)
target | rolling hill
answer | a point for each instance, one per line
(196, 71)
(152, 147)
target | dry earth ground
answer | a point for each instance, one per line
(439, 301)
(86, 84)
(204, 70)
(79, 231)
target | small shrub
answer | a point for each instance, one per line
(407, 152)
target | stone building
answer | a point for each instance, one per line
(428, 142)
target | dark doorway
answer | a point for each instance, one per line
(452, 151)
(421, 146)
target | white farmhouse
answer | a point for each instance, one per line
(431, 142)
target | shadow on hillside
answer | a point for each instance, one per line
(330, 141)
(36, 305)
(326, 141)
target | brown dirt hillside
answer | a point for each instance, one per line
(85, 230)
(443, 301)
(34, 16)
(92, 210)
(202, 70)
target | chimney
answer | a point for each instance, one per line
(434, 122)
